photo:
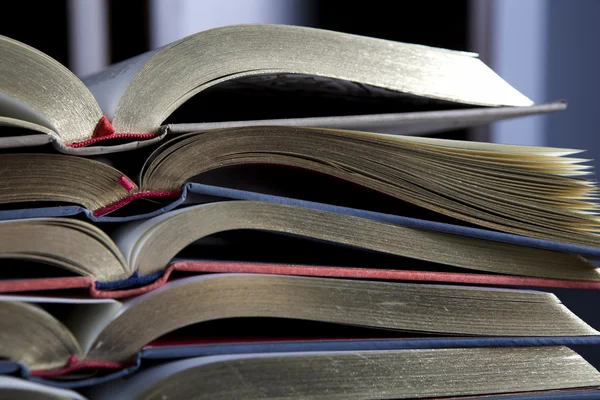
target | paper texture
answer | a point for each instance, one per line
(13, 108)
(153, 353)
(109, 85)
(195, 193)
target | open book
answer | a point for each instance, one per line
(100, 332)
(531, 191)
(403, 374)
(148, 247)
(131, 100)
(533, 372)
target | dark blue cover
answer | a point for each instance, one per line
(178, 352)
(133, 281)
(181, 352)
(194, 193)
(478, 233)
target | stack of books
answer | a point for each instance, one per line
(311, 251)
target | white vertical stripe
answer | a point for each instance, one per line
(519, 56)
(171, 20)
(88, 36)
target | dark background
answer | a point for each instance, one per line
(47, 28)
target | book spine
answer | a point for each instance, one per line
(74, 365)
(105, 131)
(127, 184)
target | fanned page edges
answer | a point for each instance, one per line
(535, 192)
(137, 285)
(118, 343)
(532, 192)
(105, 131)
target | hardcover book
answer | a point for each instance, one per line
(531, 191)
(143, 252)
(132, 99)
(442, 373)
(106, 333)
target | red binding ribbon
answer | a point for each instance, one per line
(106, 131)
